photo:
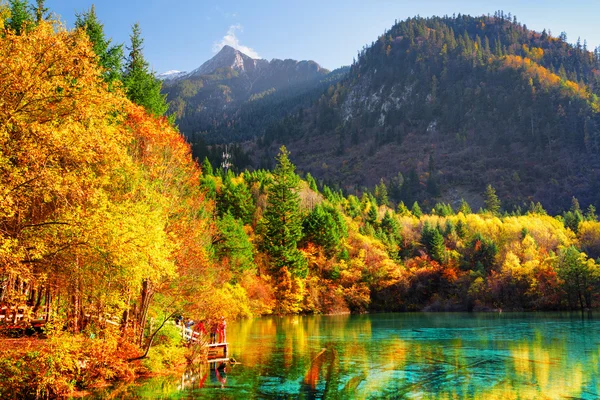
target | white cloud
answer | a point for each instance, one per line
(231, 39)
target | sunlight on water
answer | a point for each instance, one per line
(412, 356)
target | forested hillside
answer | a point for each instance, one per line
(440, 107)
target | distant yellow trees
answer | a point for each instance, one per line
(546, 79)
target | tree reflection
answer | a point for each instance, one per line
(430, 356)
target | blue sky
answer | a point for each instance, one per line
(182, 34)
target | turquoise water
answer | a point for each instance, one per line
(411, 356)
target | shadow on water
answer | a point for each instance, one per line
(425, 356)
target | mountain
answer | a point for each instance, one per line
(173, 74)
(228, 57)
(210, 99)
(438, 108)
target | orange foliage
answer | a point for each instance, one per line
(98, 196)
(547, 79)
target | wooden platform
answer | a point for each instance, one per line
(218, 352)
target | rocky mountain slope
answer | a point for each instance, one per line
(210, 97)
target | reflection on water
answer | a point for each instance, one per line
(412, 356)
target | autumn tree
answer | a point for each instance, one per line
(100, 230)
(589, 238)
(68, 219)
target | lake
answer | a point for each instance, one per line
(410, 355)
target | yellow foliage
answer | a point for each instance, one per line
(4, 14)
(512, 265)
(97, 196)
(589, 236)
(535, 53)
(547, 79)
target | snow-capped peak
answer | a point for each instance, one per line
(172, 74)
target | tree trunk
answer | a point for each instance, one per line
(48, 305)
(74, 312)
(143, 311)
(125, 319)
(152, 335)
(38, 301)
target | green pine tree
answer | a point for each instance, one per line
(207, 168)
(464, 207)
(578, 275)
(402, 209)
(416, 210)
(372, 214)
(437, 248)
(109, 57)
(20, 17)
(233, 243)
(461, 229)
(381, 193)
(40, 11)
(575, 205)
(492, 203)
(480, 254)
(141, 85)
(282, 219)
(390, 225)
(312, 184)
(590, 215)
(328, 194)
(235, 200)
(536, 208)
(322, 228)
(433, 241)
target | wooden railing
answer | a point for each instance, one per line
(14, 315)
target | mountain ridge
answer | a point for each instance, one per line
(214, 94)
(445, 105)
(229, 57)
